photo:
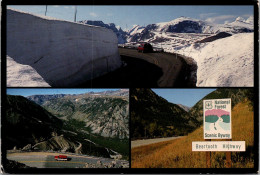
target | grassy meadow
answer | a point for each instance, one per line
(178, 153)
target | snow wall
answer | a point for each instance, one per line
(63, 53)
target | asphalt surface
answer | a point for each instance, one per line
(138, 143)
(142, 70)
(169, 64)
(46, 160)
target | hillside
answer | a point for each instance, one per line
(153, 116)
(40, 99)
(236, 95)
(102, 113)
(29, 127)
(25, 122)
(178, 154)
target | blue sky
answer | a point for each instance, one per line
(37, 91)
(187, 97)
(127, 16)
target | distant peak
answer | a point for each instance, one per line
(183, 18)
(240, 19)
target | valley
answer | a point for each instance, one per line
(86, 124)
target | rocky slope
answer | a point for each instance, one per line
(103, 113)
(121, 35)
(40, 99)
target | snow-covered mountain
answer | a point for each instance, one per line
(135, 29)
(121, 35)
(163, 31)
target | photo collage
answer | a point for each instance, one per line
(129, 88)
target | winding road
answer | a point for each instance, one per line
(46, 160)
(170, 64)
(157, 69)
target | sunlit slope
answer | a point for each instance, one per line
(178, 153)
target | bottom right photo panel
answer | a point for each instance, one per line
(192, 128)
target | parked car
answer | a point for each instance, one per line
(145, 47)
(61, 157)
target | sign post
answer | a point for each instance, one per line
(208, 156)
(228, 158)
(217, 125)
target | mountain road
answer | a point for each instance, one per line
(46, 160)
(156, 69)
(137, 143)
(169, 64)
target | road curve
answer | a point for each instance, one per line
(77, 150)
(170, 64)
(46, 160)
(138, 143)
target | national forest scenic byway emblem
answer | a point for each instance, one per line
(217, 119)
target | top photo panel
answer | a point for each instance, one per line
(124, 46)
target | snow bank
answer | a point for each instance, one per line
(227, 62)
(62, 53)
(23, 75)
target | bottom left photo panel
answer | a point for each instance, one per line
(65, 128)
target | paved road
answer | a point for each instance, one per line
(170, 64)
(137, 143)
(46, 160)
(143, 70)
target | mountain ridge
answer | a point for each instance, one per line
(179, 25)
(104, 113)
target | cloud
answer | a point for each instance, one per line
(93, 14)
(206, 15)
(109, 14)
(220, 19)
(66, 7)
(56, 6)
